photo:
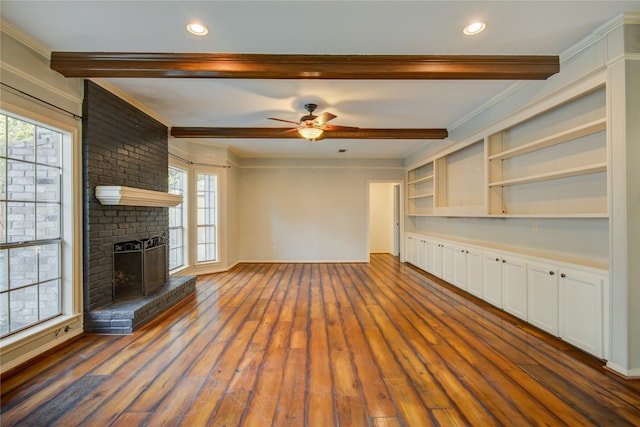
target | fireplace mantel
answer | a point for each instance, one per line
(129, 196)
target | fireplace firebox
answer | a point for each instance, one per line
(139, 267)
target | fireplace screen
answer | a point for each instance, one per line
(139, 267)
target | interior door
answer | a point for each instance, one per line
(396, 220)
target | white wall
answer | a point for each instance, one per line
(381, 217)
(307, 210)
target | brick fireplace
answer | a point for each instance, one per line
(122, 146)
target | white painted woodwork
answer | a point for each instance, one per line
(429, 256)
(447, 262)
(581, 310)
(437, 259)
(410, 247)
(474, 272)
(421, 254)
(514, 286)
(553, 164)
(128, 196)
(543, 294)
(460, 267)
(492, 278)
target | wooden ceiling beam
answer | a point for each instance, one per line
(277, 66)
(277, 133)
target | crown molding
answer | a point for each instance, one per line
(16, 33)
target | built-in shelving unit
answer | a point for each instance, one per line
(420, 190)
(551, 165)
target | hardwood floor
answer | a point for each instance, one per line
(377, 344)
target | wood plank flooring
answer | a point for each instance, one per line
(379, 344)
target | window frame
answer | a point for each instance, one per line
(69, 322)
(193, 212)
(185, 217)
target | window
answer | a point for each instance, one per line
(177, 223)
(30, 223)
(207, 217)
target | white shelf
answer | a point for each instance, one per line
(565, 173)
(117, 195)
(421, 196)
(559, 215)
(568, 135)
(423, 179)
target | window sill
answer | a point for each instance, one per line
(37, 339)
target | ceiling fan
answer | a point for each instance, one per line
(312, 127)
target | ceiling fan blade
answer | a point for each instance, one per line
(341, 128)
(324, 118)
(281, 120)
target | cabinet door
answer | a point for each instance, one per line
(542, 301)
(581, 310)
(429, 249)
(492, 278)
(474, 272)
(514, 287)
(447, 263)
(437, 259)
(421, 254)
(410, 249)
(460, 268)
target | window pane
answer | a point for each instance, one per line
(206, 217)
(48, 146)
(47, 221)
(49, 262)
(48, 184)
(20, 140)
(3, 179)
(21, 181)
(175, 216)
(4, 269)
(23, 266)
(4, 314)
(3, 222)
(21, 222)
(23, 304)
(30, 209)
(176, 180)
(3, 135)
(177, 231)
(49, 298)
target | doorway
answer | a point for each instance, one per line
(385, 213)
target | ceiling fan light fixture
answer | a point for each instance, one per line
(474, 28)
(310, 133)
(197, 29)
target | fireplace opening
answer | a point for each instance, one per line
(138, 267)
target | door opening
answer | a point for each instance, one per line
(385, 217)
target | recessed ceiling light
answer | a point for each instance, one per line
(475, 28)
(197, 29)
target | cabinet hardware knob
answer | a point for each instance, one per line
(497, 259)
(466, 252)
(563, 275)
(504, 260)
(462, 250)
(551, 273)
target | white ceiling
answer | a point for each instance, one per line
(313, 27)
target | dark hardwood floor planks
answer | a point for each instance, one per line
(505, 348)
(469, 361)
(379, 344)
